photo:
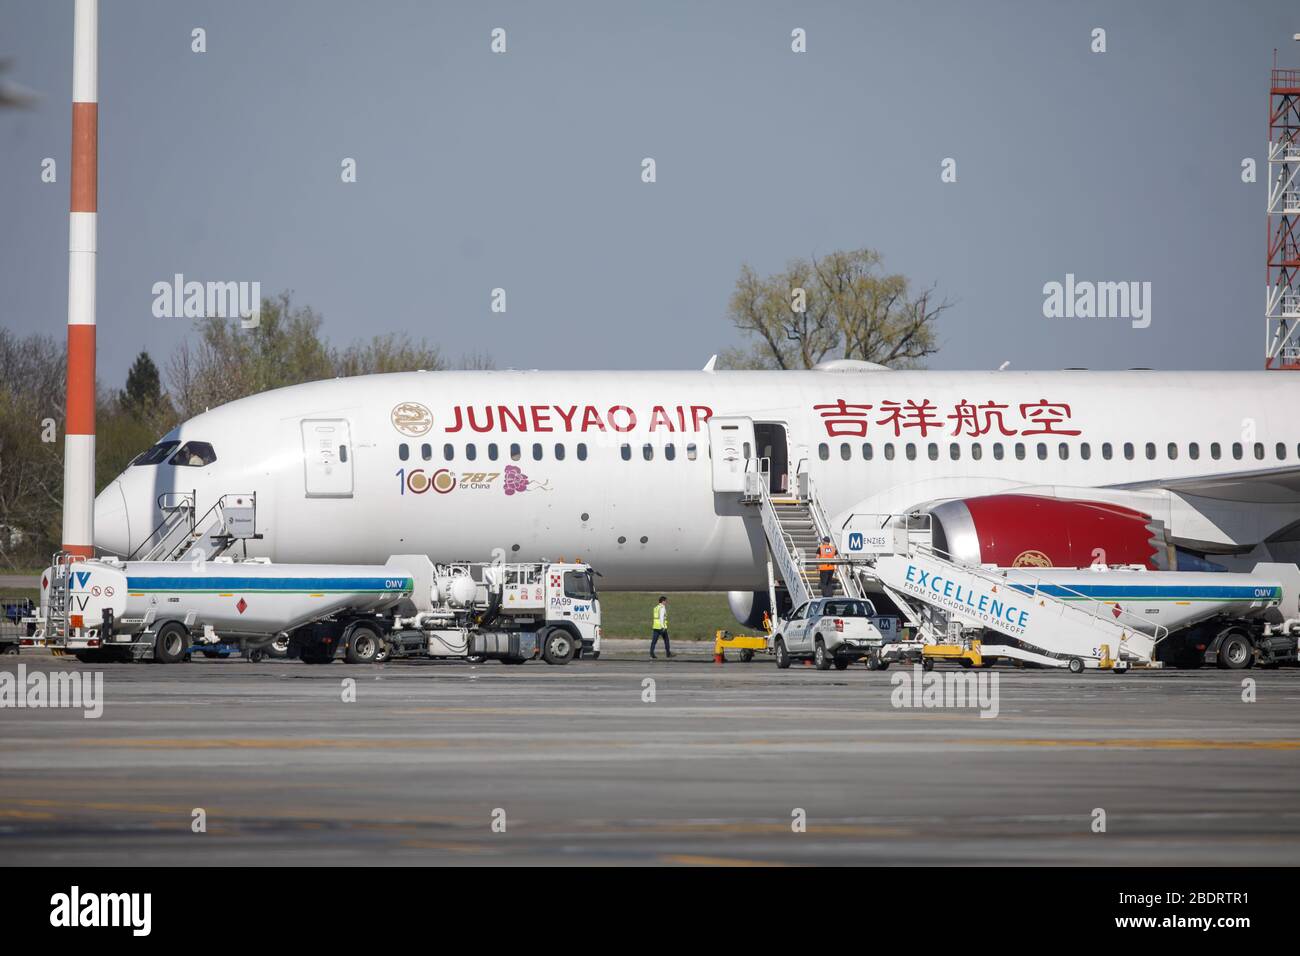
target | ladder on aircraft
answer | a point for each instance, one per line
(1046, 621)
(182, 537)
(794, 525)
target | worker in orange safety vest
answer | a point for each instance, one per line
(826, 551)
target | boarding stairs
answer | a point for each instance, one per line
(794, 525)
(1015, 613)
(947, 600)
(180, 536)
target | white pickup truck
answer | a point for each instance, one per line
(834, 632)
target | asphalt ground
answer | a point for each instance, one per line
(417, 762)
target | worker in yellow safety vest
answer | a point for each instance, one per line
(826, 551)
(659, 627)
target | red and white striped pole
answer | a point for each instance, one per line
(79, 426)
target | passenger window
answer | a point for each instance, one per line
(977, 451)
(1020, 451)
(582, 451)
(1236, 450)
(1085, 451)
(515, 452)
(933, 451)
(625, 451)
(1042, 451)
(998, 451)
(1128, 451)
(824, 451)
(492, 451)
(403, 451)
(866, 451)
(1259, 450)
(648, 452)
(1151, 451)
(426, 452)
(845, 451)
(1216, 452)
(670, 451)
(911, 451)
(1172, 451)
(194, 454)
(1106, 450)
(559, 452)
(889, 451)
(1193, 451)
(537, 451)
(1281, 452)
(954, 451)
(1063, 450)
(691, 452)
(471, 452)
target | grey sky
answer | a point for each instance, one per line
(522, 171)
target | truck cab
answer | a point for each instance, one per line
(833, 632)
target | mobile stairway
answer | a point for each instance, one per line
(1015, 613)
(181, 536)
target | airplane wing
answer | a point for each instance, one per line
(1273, 485)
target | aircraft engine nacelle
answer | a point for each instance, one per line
(1035, 531)
(748, 607)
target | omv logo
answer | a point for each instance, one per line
(81, 577)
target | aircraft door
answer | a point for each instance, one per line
(327, 456)
(731, 444)
(770, 442)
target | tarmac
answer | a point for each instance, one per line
(451, 763)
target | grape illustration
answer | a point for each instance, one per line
(516, 482)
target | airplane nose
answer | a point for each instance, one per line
(112, 530)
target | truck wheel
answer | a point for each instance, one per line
(558, 646)
(364, 645)
(821, 657)
(172, 642)
(257, 655)
(278, 648)
(782, 655)
(1235, 652)
(873, 663)
(1075, 665)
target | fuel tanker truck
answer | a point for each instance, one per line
(104, 610)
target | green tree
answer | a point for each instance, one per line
(842, 305)
(143, 392)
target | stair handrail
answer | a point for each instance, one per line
(184, 505)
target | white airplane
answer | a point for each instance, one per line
(1175, 470)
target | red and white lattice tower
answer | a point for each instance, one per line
(1282, 317)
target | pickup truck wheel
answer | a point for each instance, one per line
(364, 645)
(558, 646)
(172, 641)
(821, 657)
(782, 655)
(1235, 652)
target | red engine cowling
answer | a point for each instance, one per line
(1034, 531)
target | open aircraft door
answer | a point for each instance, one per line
(327, 455)
(731, 444)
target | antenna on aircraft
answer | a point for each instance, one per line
(713, 360)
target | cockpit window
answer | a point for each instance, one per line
(194, 454)
(157, 454)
